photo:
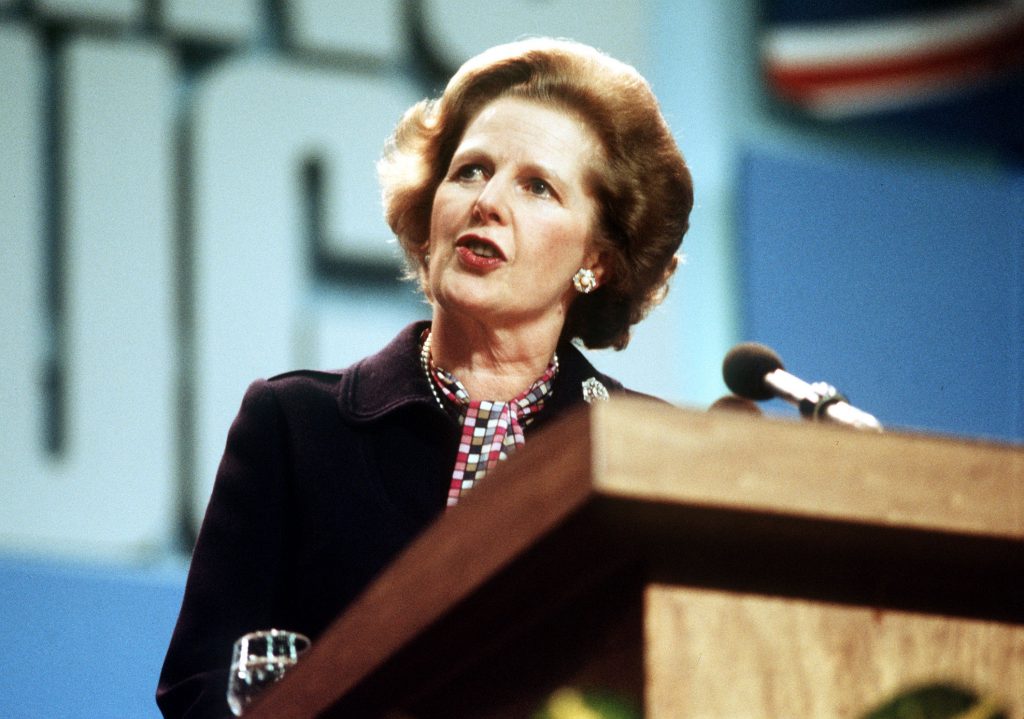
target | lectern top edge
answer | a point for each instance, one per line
(744, 463)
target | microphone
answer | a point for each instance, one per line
(754, 371)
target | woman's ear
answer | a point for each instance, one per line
(599, 262)
(424, 274)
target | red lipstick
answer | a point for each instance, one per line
(479, 252)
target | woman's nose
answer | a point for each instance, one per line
(491, 204)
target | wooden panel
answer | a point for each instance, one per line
(714, 654)
(799, 469)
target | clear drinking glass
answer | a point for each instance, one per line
(259, 659)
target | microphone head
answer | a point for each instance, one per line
(745, 367)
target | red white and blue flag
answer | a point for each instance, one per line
(855, 59)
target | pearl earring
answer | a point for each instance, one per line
(585, 281)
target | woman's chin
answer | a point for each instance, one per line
(472, 306)
(465, 292)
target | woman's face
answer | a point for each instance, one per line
(512, 220)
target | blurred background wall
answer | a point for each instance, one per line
(188, 201)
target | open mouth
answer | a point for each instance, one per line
(480, 247)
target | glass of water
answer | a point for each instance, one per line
(259, 659)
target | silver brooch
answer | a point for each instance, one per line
(594, 390)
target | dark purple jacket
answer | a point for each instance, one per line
(326, 476)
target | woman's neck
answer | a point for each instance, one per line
(491, 363)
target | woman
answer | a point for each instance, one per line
(540, 199)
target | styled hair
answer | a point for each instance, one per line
(643, 189)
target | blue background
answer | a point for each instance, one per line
(901, 285)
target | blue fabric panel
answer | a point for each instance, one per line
(84, 642)
(900, 285)
(1015, 385)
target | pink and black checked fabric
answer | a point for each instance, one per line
(490, 430)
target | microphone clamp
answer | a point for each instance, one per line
(822, 395)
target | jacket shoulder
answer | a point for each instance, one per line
(297, 388)
(307, 378)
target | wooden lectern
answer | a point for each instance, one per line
(704, 565)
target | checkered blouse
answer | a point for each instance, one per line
(490, 430)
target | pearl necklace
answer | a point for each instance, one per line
(427, 362)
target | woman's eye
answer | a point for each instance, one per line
(539, 188)
(470, 172)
